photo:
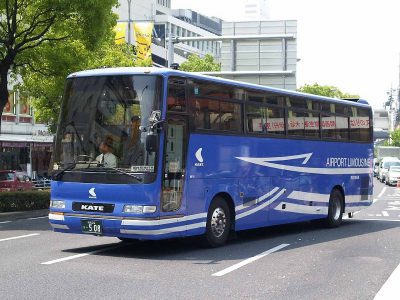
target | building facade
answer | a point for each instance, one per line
(24, 145)
(256, 10)
(270, 61)
(175, 23)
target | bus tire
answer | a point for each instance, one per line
(218, 223)
(335, 209)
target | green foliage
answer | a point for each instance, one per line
(196, 64)
(41, 41)
(394, 138)
(325, 90)
(20, 201)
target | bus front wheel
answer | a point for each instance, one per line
(218, 223)
(335, 209)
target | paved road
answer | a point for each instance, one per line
(300, 261)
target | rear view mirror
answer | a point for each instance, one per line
(151, 142)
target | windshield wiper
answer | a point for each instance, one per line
(121, 172)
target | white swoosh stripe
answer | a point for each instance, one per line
(303, 209)
(165, 230)
(316, 197)
(297, 195)
(322, 171)
(258, 200)
(306, 157)
(254, 210)
(162, 221)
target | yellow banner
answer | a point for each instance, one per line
(143, 33)
(120, 33)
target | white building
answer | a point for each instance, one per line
(256, 10)
(179, 23)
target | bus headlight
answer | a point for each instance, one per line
(139, 209)
(57, 203)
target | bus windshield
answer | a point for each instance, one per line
(100, 119)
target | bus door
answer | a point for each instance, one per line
(174, 165)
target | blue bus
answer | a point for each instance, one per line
(146, 153)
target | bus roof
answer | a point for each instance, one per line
(240, 84)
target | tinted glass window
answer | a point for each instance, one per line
(328, 127)
(269, 120)
(295, 123)
(311, 124)
(210, 90)
(176, 94)
(342, 128)
(360, 125)
(216, 115)
(266, 98)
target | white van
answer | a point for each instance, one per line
(384, 165)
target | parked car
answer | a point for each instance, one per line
(393, 175)
(12, 181)
(384, 165)
(376, 167)
(41, 182)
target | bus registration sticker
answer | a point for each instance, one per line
(92, 226)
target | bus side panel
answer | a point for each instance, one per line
(279, 180)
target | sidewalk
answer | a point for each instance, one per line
(12, 216)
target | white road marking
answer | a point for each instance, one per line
(391, 288)
(19, 237)
(5, 222)
(35, 218)
(378, 215)
(383, 220)
(376, 199)
(249, 260)
(80, 255)
(382, 192)
(385, 214)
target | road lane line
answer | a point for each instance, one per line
(35, 218)
(383, 220)
(391, 288)
(19, 237)
(5, 222)
(80, 255)
(385, 214)
(382, 192)
(249, 260)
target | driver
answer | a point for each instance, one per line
(107, 158)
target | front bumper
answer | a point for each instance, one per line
(144, 229)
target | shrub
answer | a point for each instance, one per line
(18, 201)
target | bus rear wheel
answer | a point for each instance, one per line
(335, 210)
(218, 223)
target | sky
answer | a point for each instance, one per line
(351, 44)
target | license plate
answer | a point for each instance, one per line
(92, 226)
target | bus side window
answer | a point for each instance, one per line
(176, 100)
(360, 125)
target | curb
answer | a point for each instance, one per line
(12, 216)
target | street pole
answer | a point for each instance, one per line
(170, 51)
(129, 21)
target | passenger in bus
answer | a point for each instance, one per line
(134, 155)
(107, 158)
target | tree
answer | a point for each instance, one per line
(325, 90)
(196, 64)
(30, 28)
(394, 138)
